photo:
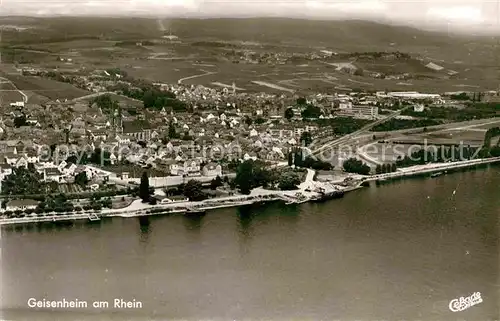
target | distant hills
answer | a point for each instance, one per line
(349, 35)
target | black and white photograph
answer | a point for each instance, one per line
(249, 160)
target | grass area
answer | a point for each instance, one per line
(470, 112)
(45, 87)
(70, 188)
(7, 97)
(398, 124)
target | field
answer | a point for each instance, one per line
(10, 96)
(201, 57)
(8, 93)
(45, 87)
(70, 188)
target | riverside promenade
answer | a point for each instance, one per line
(306, 191)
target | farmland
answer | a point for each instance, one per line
(216, 47)
(45, 87)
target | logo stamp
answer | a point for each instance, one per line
(463, 303)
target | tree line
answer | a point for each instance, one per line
(299, 159)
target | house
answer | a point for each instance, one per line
(11, 158)
(253, 133)
(17, 104)
(5, 170)
(140, 130)
(52, 174)
(22, 162)
(212, 169)
(172, 167)
(69, 169)
(281, 133)
(418, 108)
(345, 105)
(33, 122)
(98, 134)
(248, 157)
(191, 167)
(275, 154)
(21, 205)
(32, 156)
(122, 139)
(81, 168)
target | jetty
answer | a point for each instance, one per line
(93, 217)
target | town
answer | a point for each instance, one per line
(188, 143)
(138, 128)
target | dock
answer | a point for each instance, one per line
(94, 217)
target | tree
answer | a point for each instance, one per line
(260, 121)
(248, 120)
(306, 138)
(149, 99)
(311, 112)
(193, 190)
(144, 188)
(301, 101)
(171, 130)
(105, 102)
(216, 182)
(353, 165)
(244, 177)
(81, 179)
(20, 121)
(23, 181)
(290, 159)
(289, 181)
(359, 72)
(289, 113)
(394, 167)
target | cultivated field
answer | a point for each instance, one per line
(45, 87)
(10, 96)
(205, 44)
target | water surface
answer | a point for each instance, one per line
(400, 251)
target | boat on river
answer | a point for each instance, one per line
(193, 212)
(436, 174)
(322, 197)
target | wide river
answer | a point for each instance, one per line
(400, 251)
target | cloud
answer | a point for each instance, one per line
(420, 13)
(456, 14)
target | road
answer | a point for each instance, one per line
(361, 152)
(346, 138)
(100, 94)
(367, 158)
(429, 168)
(206, 73)
(437, 128)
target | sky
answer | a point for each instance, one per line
(461, 14)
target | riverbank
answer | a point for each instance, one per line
(309, 190)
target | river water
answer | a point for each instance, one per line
(400, 251)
